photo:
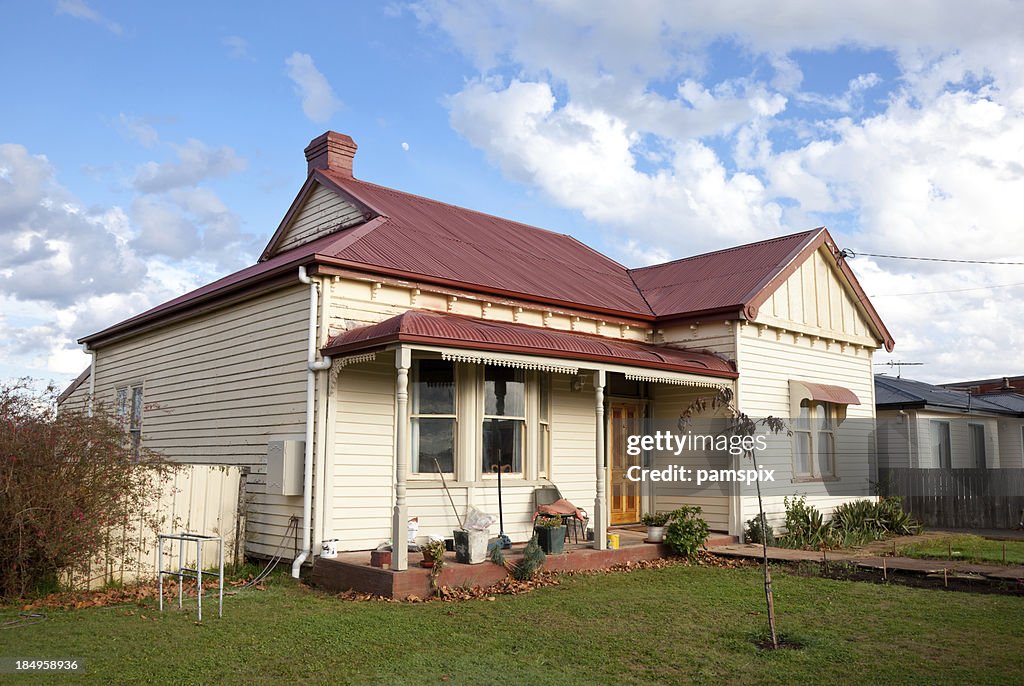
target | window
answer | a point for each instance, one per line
(130, 416)
(504, 420)
(941, 444)
(544, 420)
(433, 417)
(814, 441)
(977, 445)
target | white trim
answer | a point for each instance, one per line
(498, 360)
(674, 380)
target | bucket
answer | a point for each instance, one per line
(470, 547)
(329, 548)
(613, 541)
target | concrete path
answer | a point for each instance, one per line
(860, 559)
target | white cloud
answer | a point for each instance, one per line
(318, 100)
(196, 162)
(611, 112)
(137, 129)
(238, 47)
(80, 10)
(405, 146)
(71, 270)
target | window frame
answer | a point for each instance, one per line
(414, 374)
(934, 426)
(130, 410)
(814, 433)
(543, 453)
(977, 461)
(526, 448)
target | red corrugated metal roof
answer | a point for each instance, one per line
(434, 239)
(715, 281)
(414, 238)
(448, 330)
(829, 394)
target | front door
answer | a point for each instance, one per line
(624, 501)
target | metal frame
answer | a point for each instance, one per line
(199, 539)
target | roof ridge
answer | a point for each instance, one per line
(474, 211)
(730, 249)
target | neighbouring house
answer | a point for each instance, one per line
(924, 426)
(384, 339)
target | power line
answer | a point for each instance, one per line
(952, 290)
(846, 252)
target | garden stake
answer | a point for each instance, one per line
(885, 576)
(894, 548)
(945, 578)
(949, 550)
(443, 483)
(503, 540)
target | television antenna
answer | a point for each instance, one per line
(898, 365)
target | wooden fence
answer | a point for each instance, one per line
(205, 499)
(958, 498)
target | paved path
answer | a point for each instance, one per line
(858, 558)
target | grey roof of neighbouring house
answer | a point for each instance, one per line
(892, 392)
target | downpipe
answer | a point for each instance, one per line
(312, 367)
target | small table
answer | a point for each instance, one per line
(198, 539)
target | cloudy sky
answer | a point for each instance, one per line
(148, 148)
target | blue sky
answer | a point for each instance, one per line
(146, 149)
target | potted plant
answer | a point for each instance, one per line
(655, 523)
(550, 534)
(433, 552)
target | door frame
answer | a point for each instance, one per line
(642, 405)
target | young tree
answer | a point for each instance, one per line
(740, 424)
(69, 490)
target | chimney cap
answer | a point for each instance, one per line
(331, 150)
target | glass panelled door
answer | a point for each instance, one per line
(624, 495)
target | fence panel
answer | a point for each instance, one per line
(959, 498)
(205, 499)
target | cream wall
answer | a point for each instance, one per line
(217, 388)
(768, 360)
(361, 471)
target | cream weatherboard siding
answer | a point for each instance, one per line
(768, 360)
(361, 473)
(1011, 443)
(959, 439)
(897, 439)
(217, 388)
(716, 336)
(322, 212)
(816, 300)
(667, 404)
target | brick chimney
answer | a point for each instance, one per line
(332, 150)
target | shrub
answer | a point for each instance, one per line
(686, 532)
(543, 522)
(532, 562)
(655, 519)
(853, 523)
(805, 525)
(69, 491)
(758, 533)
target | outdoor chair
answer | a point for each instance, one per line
(548, 500)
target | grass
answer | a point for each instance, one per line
(674, 625)
(965, 547)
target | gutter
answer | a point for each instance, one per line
(312, 367)
(92, 378)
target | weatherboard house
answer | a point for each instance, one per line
(384, 339)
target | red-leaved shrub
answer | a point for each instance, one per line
(69, 490)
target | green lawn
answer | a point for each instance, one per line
(966, 547)
(673, 625)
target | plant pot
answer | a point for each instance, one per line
(428, 559)
(655, 534)
(470, 547)
(551, 539)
